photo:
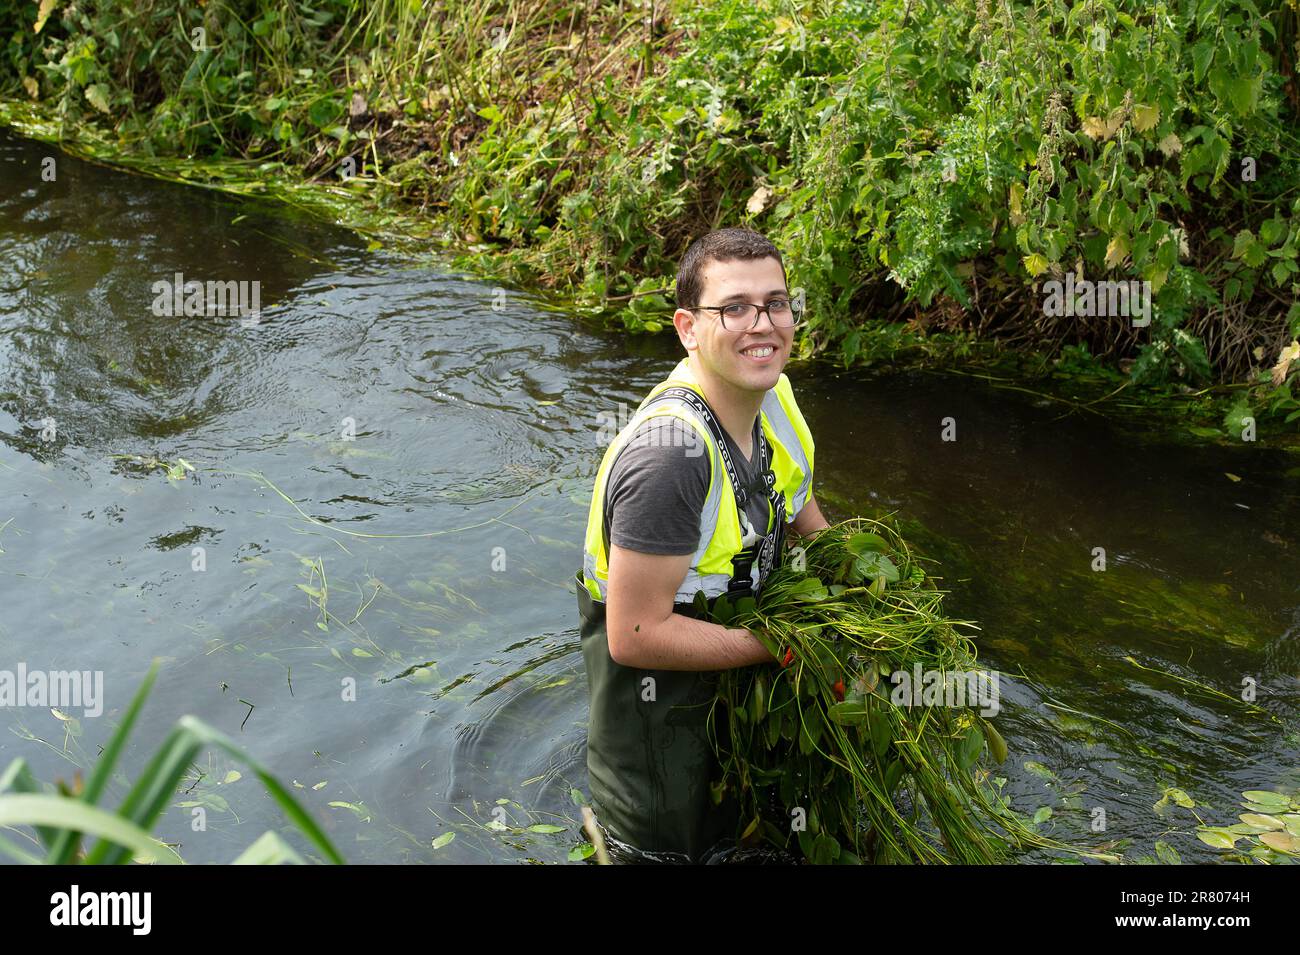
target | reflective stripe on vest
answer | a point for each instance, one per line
(710, 569)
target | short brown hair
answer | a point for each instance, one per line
(721, 245)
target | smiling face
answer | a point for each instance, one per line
(735, 359)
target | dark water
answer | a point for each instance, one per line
(447, 533)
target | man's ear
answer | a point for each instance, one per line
(684, 322)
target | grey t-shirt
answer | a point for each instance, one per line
(657, 485)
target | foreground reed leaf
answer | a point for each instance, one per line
(36, 810)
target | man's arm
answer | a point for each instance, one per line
(809, 520)
(643, 630)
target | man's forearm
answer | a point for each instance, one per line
(684, 643)
(809, 520)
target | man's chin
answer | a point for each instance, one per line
(760, 379)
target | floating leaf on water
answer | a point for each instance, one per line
(361, 812)
(578, 798)
(1038, 769)
(1281, 841)
(534, 779)
(358, 652)
(1167, 854)
(1181, 798)
(1264, 797)
(1042, 814)
(581, 852)
(1217, 838)
(320, 785)
(60, 715)
(545, 827)
(443, 839)
(1245, 829)
(233, 776)
(1260, 821)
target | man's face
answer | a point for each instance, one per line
(733, 357)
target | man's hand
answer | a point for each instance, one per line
(643, 630)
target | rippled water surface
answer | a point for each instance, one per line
(429, 560)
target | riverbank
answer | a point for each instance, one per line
(927, 173)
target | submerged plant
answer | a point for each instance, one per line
(837, 734)
(60, 820)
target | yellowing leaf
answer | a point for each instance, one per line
(1035, 263)
(1094, 128)
(1231, 477)
(1171, 144)
(1281, 841)
(1284, 359)
(1145, 117)
(758, 201)
(97, 97)
(30, 86)
(1116, 251)
(1114, 121)
(43, 14)
(1017, 199)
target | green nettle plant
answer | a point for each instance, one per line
(61, 820)
(827, 734)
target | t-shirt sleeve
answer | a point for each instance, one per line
(657, 487)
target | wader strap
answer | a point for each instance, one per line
(769, 545)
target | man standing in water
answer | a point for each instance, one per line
(695, 494)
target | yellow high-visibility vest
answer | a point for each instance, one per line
(791, 446)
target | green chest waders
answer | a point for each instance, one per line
(649, 756)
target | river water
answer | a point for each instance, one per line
(366, 580)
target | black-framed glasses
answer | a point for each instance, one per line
(742, 316)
